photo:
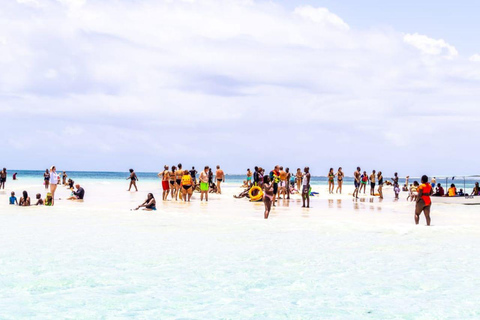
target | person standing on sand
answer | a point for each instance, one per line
(331, 181)
(275, 178)
(204, 185)
(249, 177)
(193, 174)
(340, 176)
(372, 183)
(54, 178)
(283, 183)
(306, 187)
(364, 182)
(220, 175)
(356, 181)
(424, 203)
(46, 178)
(256, 176)
(133, 180)
(178, 182)
(165, 175)
(380, 184)
(187, 186)
(173, 184)
(64, 178)
(298, 178)
(267, 196)
(289, 176)
(3, 178)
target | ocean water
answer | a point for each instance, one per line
(32, 175)
(341, 259)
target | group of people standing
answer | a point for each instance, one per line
(180, 184)
(280, 182)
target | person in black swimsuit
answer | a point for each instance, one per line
(133, 180)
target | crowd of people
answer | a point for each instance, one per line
(179, 184)
(51, 180)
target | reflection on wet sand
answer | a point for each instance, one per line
(361, 203)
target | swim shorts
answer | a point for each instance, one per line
(203, 186)
(357, 184)
(305, 189)
(275, 188)
(372, 185)
(165, 185)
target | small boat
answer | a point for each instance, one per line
(465, 199)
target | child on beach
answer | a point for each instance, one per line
(39, 200)
(48, 200)
(13, 199)
(396, 189)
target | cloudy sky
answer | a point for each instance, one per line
(112, 84)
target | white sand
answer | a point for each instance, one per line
(341, 259)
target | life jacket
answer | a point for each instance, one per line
(426, 189)
(187, 180)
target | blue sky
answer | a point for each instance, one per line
(117, 84)
(456, 22)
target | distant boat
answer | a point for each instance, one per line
(465, 199)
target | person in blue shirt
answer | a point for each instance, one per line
(13, 199)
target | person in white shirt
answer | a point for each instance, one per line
(54, 178)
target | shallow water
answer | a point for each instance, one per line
(341, 259)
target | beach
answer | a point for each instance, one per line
(340, 259)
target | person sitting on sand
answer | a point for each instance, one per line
(461, 193)
(77, 195)
(243, 194)
(39, 200)
(149, 204)
(267, 196)
(452, 191)
(25, 200)
(439, 191)
(14, 176)
(70, 183)
(49, 199)
(476, 190)
(13, 199)
(245, 184)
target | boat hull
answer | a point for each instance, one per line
(465, 200)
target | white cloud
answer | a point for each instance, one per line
(230, 80)
(431, 46)
(475, 58)
(321, 16)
